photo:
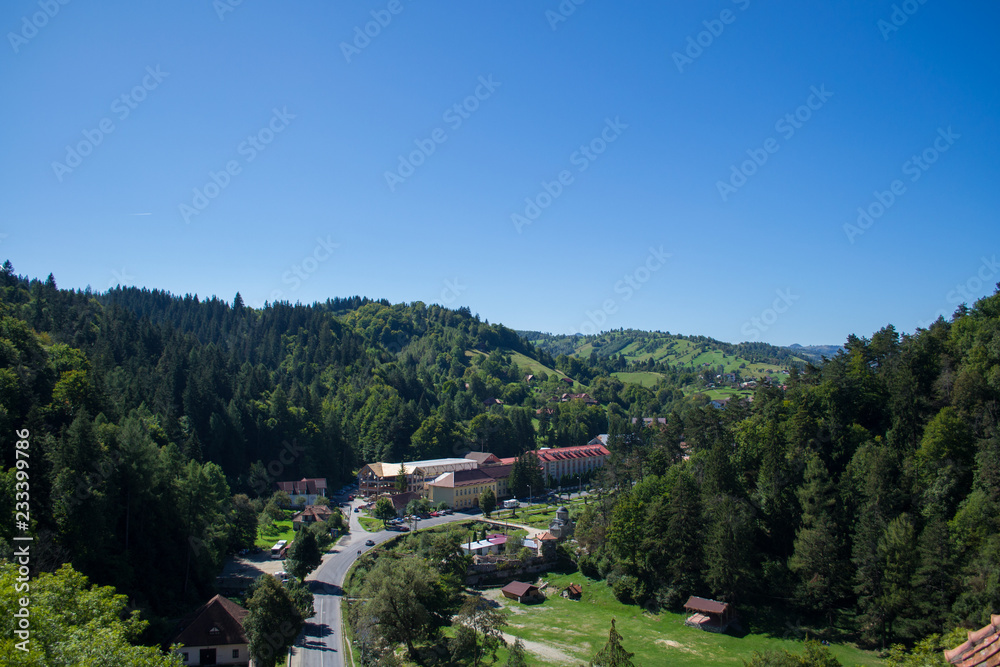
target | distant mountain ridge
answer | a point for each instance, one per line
(816, 352)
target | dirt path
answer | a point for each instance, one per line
(544, 651)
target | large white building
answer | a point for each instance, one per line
(375, 478)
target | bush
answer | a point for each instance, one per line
(628, 588)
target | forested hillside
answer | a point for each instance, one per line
(866, 494)
(149, 411)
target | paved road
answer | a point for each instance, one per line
(321, 643)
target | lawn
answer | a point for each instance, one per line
(644, 378)
(540, 515)
(370, 524)
(580, 628)
(283, 531)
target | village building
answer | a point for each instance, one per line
(561, 527)
(311, 514)
(650, 421)
(573, 592)
(483, 459)
(309, 488)
(981, 649)
(401, 500)
(522, 592)
(571, 461)
(376, 478)
(213, 635)
(460, 489)
(708, 614)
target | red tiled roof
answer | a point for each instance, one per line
(574, 589)
(546, 536)
(704, 605)
(580, 451)
(981, 649)
(219, 613)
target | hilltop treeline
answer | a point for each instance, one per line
(867, 495)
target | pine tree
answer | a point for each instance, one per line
(817, 557)
(613, 654)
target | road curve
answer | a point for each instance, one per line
(321, 642)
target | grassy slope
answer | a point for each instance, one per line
(580, 629)
(681, 352)
(529, 365)
(645, 378)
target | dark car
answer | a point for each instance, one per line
(369, 543)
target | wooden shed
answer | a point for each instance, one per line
(573, 592)
(522, 592)
(708, 614)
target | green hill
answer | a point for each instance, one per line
(633, 349)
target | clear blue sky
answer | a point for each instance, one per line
(198, 81)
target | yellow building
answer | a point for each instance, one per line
(460, 489)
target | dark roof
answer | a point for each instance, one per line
(482, 457)
(401, 500)
(498, 471)
(467, 477)
(317, 512)
(518, 588)
(704, 605)
(305, 486)
(221, 614)
(574, 589)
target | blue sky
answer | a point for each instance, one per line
(122, 119)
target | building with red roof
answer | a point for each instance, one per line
(981, 649)
(571, 461)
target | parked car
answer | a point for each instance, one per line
(369, 543)
(356, 510)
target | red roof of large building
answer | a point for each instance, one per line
(568, 453)
(981, 649)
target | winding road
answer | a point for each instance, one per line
(321, 642)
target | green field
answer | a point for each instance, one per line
(578, 629)
(644, 378)
(284, 532)
(676, 352)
